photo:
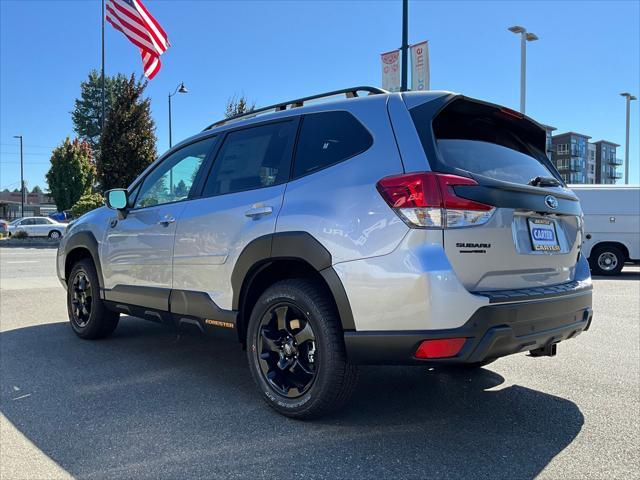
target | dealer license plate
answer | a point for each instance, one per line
(543, 235)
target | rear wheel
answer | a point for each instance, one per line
(88, 315)
(296, 351)
(607, 260)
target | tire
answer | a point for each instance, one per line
(606, 260)
(55, 234)
(300, 314)
(89, 317)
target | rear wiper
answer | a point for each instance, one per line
(544, 182)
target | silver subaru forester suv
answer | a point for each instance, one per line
(420, 228)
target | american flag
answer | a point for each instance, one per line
(136, 23)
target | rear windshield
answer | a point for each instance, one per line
(483, 139)
(491, 160)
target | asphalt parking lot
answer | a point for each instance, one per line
(147, 403)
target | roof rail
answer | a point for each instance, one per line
(278, 107)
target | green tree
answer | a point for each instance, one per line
(237, 105)
(87, 112)
(181, 189)
(72, 172)
(128, 145)
(36, 189)
(86, 203)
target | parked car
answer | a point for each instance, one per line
(38, 227)
(4, 227)
(422, 228)
(612, 226)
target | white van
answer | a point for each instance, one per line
(612, 226)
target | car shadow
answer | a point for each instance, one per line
(146, 403)
(625, 274)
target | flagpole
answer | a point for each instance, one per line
(102, 72)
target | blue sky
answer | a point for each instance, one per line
(587, 54)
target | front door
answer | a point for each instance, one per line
(137, 251)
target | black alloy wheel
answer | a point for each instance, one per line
(287, 350)
(88, 315)
(82, 299)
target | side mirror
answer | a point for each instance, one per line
(117, 199)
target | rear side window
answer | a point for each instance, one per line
(328, 138)
(252, 158)
(485, 140)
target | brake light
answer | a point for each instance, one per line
(428, 200)
(511, 113)
(440, 348)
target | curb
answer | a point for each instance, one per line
(30, 242)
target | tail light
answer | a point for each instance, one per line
(427, 200)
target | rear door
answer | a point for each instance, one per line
(240, 201)
(534, 234)
(42, 227)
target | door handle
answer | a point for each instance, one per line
(257, 212)
(167, 220)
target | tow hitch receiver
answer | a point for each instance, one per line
(548, 350)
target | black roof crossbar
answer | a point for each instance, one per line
(278, 107)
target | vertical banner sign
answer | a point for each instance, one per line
(420, 66)
(391, 71)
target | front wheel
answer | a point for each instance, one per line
(296, 351)
(55, 234)
(89, 317)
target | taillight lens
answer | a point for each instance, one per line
(427, 200)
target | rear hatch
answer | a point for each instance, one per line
(533, 235)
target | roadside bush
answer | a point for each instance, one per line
(20, 234)
(86, 203)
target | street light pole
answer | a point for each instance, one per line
(21, 177)
(629, 97)
(524, 38)
(405, 45)
(179, 89)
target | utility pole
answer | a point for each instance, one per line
(524, 38)
(102, 76)
(405, 45)
(21, 177)
(629, 97)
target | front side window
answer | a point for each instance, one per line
(251, 158)
(328, 138)
(171, 181)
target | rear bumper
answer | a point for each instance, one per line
(493, 331)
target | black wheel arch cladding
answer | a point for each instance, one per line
(290, 246)
(83, 240)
